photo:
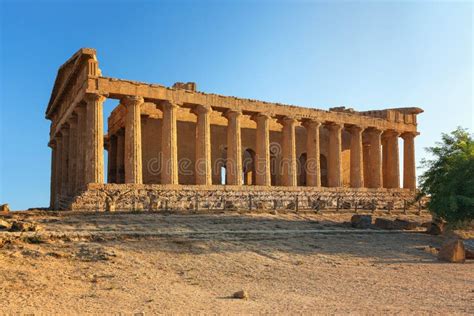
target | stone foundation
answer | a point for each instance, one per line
(192, 198)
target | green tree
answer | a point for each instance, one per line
(449, 178)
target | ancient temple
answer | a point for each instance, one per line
(179, 148)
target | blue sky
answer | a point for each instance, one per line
(366, 55)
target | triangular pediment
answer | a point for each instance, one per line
(65, 72)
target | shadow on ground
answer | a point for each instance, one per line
(265, 234)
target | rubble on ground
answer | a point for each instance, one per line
(452, 251)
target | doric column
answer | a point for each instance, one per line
(334, 155)
(357, 162)
(234, 148)
(313, 169)
(289, 151)
(375, 159)
(81, 145)
(384, 160)
(64, 160)
(169, 144)
(203, 171)
(133, 139)
(52, 197)
(71, 177)
(409, 169)
(58, 170)
(262, 154)
(120, 177)
(366, 154)
(112, 160)
(391, 174)
(94, 163)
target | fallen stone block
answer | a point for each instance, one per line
(426, 224)
(469, 254)
(243, 295)
(452, 251)
(432, 250)
(4, 225)
(436, 228)
(18, 226)
(469, 249)
(404, 224)
(384, 223)
(361, 221)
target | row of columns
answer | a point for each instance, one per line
(376, 175)
(78, 150)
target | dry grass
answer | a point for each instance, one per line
(288, 263)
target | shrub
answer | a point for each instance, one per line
(449, 178)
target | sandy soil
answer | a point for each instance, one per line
(288, 263)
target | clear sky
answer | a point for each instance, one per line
(366, 55)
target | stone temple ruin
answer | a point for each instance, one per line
(175, 148)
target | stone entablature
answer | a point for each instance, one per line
(224, 140)
(118, 88)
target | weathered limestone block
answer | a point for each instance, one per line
(384, 223)
(21, 226)
(452, 251)
(243, 295)
(405, 224)
(469, 252)
(361, 221)
(5, 225)
(4, 208)
(437, 227)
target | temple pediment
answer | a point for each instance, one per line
(66, 72)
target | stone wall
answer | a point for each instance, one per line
(129, 197)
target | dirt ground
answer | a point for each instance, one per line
(288, 263)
